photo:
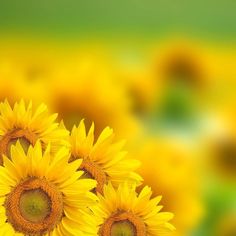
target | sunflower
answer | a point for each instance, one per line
(220, 149)
(124, 212)
(90, 79)
(186, 72)
(226, 225)
(185, 61)
(23, 123)
(25, 69)
(165, 165)
(42, 194)
(223, 157)
(103, 159)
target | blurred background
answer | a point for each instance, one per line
(161, 73)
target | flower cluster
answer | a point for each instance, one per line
(59, 183)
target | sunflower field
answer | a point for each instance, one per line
(117, 118)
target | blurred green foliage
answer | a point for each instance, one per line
(146, 18)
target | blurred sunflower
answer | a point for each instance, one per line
(220, 146)
(103, 159)
(84, 88)
(223, 157)
(186, 62)
(226, 226)
(27, 125)
(186, 72)
(26, 67)
(167, 168)
(133, 72)
(124, 212)
(43, 195)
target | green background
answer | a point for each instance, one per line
(146, 18)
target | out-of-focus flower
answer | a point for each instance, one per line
(168, 169)
(124, 212)
(44, 195)
(29, 125)
(103, 159)
(175, 64)
(84, 88)
(222, 156)
(186, 72)
(27, 69)
(184, 61)
(226, 226)
(141, 87)
(220, 150)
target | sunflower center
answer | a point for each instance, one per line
(94, 171)
(227, 155)
(123, 228)
(25, 137)
(183, 69)
(34, 207)
(123, 224)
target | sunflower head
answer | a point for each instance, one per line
(124, 212)
(183, 66)
(221, 152)
(226, 225)
(227, 155)
(85, 84)
(184, 62)
(103, 159)
(27, 125)
(34, 206)
(43, 194)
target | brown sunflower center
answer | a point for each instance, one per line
(183, 69)
(94, 171)
(123, 224)
(227, 155)
(34, 207)
(25, 137)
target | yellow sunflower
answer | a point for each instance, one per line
(186, 61)
(220, 149)
(103, 159)
(184, 73)
(25, 68)
(226, 225)
(90, 91)
(222, 157)
(27, 125)
(42, 194)
(124, 212)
